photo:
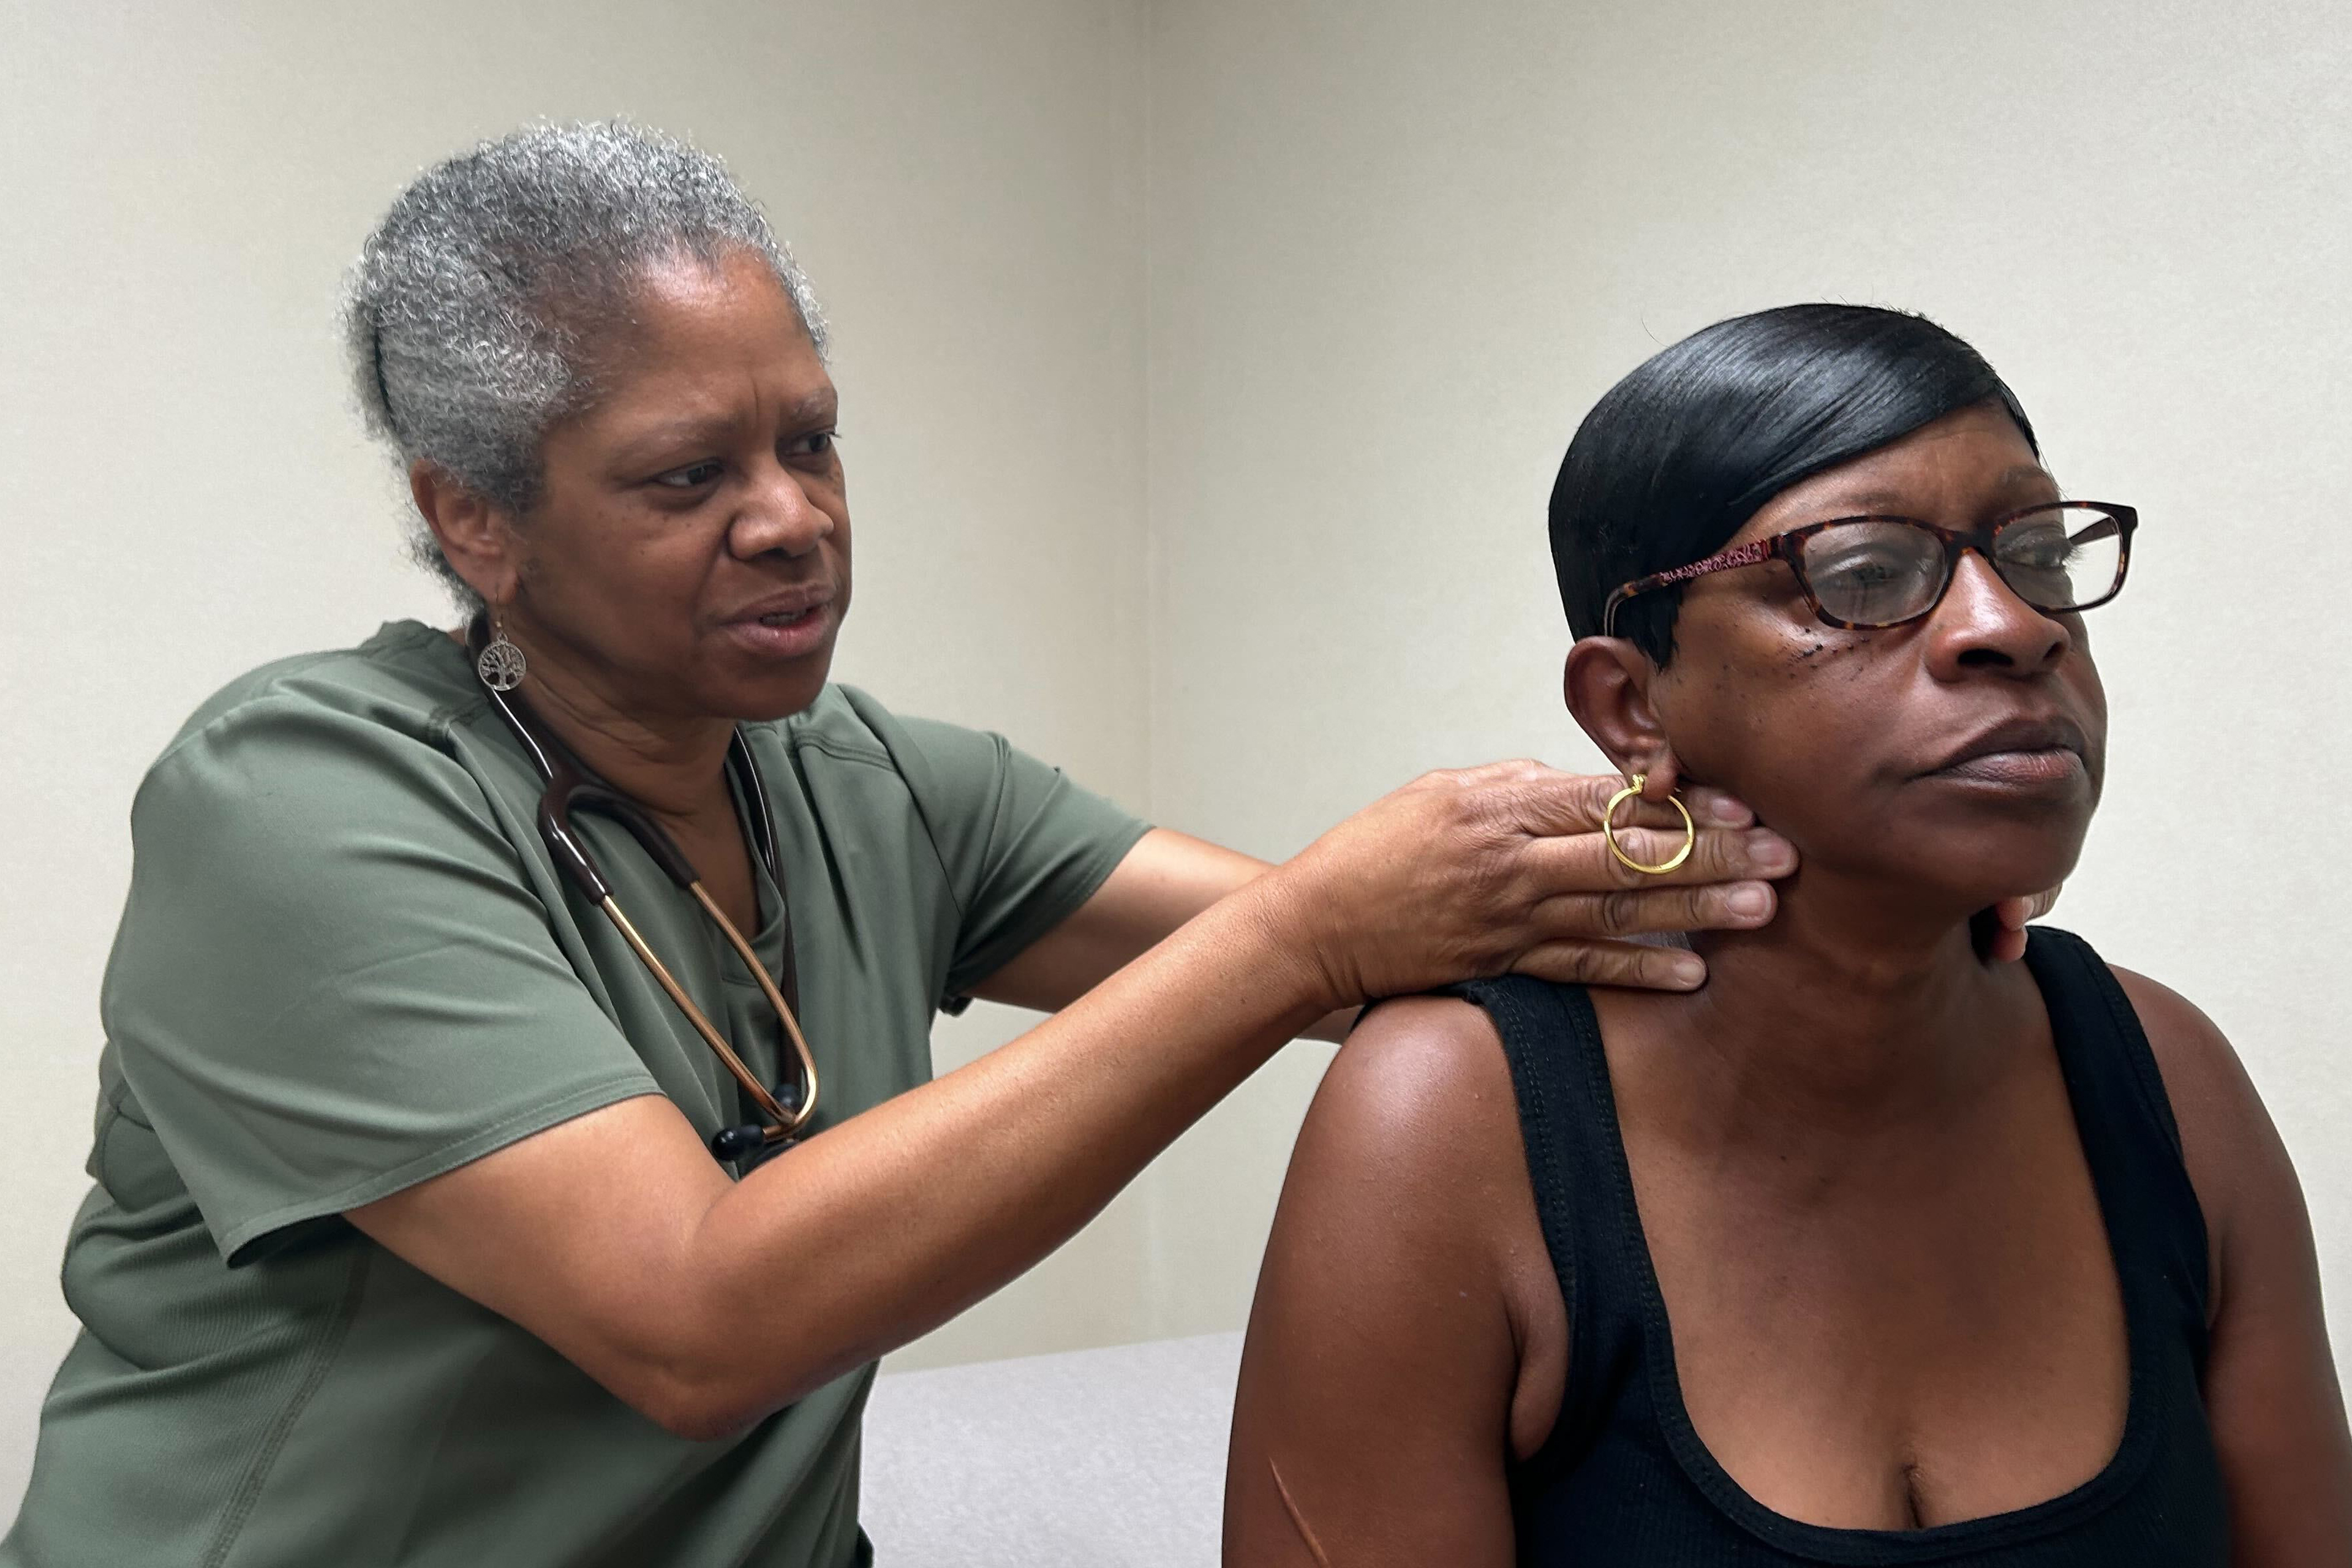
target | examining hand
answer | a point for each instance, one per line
(2005, 940)
(1478, 871)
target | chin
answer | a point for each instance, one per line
(764, 689)
(774, 704)
(774, 696)
(1997, 847)
(1978, 884)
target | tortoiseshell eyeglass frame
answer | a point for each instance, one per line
(1790, 547)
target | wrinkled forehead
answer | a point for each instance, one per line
(689, 318)
(1959, 471)
(683, 306)
(703, 355)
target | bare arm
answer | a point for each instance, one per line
(706, 1303)
(1166, 879)
(1408, 1339)
(2271, 1389)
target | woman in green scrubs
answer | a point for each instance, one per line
(406, 1242)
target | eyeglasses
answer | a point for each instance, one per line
(1867, 574)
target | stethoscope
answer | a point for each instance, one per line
(572, 784)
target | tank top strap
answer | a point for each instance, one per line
(1624, 1478)
(1584, 1198)
(2155, 1227)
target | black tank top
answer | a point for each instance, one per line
(1623, 1477)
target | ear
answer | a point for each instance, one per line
(1607, 684)
(477, 538)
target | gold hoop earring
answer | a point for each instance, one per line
(1609, 830)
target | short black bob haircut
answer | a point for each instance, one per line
(1681, 453)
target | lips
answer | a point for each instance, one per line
(2018, 751)
(792, 624)
(783, 607)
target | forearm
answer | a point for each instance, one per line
(889, 1223)
(705, 1302)
(1167, 879)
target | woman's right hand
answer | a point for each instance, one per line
(1480, 871)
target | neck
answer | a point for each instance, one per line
(673, 766)
(1852, 1004)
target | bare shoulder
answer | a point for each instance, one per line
(1418, 1076)
(1409, 1188)
(2236, 1162)
(2197, 1060)
(1414, 1135)
(1398, 1353)
(2271, 1392)
(1418, 1118)
(2212, 1098)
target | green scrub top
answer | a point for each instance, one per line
(348, 965)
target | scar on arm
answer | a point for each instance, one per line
(1298, 1521)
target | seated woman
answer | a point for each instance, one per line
(1873, 1251)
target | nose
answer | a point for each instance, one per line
(1983, 624)
(779, 515)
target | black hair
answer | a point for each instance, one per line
(1679, 454)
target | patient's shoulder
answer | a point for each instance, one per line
(1413, 1138)
(2210, 1094)
(1422, 1085)
(2236, 1163)
(1425, 1039)
(1407, 1222)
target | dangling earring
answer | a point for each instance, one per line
(1609, 829)
(501, 663)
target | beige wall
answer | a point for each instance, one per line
(1399, 249)
(1240, 480)
(185, 492)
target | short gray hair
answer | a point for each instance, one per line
(470, 311)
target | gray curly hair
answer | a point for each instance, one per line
(471, 312)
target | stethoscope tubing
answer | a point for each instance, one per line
(568, 783)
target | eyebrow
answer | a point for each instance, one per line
(1875, 500)
(696, 430)
(817, 406)
(690, 431)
